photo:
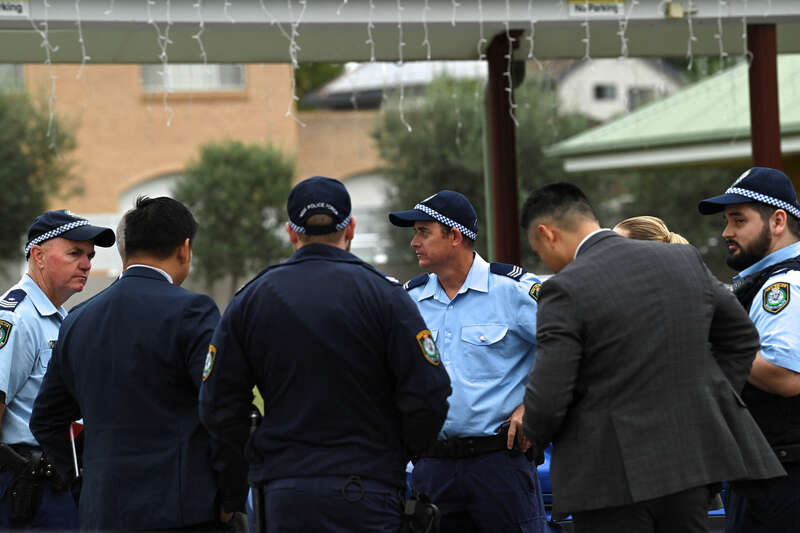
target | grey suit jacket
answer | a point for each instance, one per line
(641, 356)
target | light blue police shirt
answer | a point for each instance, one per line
(24, 357)
(776, 310)
(486, 337)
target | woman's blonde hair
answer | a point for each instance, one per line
(647, 228)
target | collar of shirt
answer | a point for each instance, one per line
(167, 276)
(324, 251)
(787, 252)
(477, 280)
(39, 299)
(578, 249)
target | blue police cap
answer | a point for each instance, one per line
(64, 224)
(318, 196)
(759, 184)
(448, 207)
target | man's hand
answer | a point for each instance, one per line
(515, 430)
(224, 517)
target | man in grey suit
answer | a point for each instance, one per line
(641, 356)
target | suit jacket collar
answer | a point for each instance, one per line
(143, 272)
(596, 238)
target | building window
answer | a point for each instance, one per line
(605, 92)
(11, 77)
(639, 96)
(191, 77)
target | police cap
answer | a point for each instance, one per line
(318, 196)
(64, 224)
(451, 208)
(759, 184)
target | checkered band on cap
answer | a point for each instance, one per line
(55, 233)
(339, 227)
(447, 221)
(763, 198)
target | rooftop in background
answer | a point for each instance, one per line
(706, 122)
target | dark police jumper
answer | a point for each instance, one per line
(351, 380)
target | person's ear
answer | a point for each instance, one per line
(292, 234)
(185, 252)
(350, 230)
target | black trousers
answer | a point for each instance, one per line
(777, 510)
(682, 512)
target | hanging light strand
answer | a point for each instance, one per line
(723, 55)
(163, 41)
(293, 49)
(341, 6)
(110, 8)
(44, 32)
(400, 45)
(426, 42)
(370, 26)
(84, 57)
(587, 35)
(623, 28)
(746, 53)
(530, 38)
(226, 9)
(274, 21)
(692, 37)
(509, 62)
(456, 5)
(198, 5)
(482, 42)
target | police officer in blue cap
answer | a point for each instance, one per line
(352, 381)
(483, 319)
(762, 233)
(59, 251)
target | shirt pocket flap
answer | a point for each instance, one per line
(483, 334)
(434, 334)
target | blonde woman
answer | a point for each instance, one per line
(647, 228)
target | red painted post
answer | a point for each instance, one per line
(503, 152)
(765, 126)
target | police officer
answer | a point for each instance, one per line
(762, 233)
(59, 252)
(351, 379)
(483, 319)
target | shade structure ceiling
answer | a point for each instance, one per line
(241, 31)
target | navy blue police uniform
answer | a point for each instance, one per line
(351, 380)
(29, 325)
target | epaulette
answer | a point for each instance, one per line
(422, 279)
(504, 269)
(12, 300)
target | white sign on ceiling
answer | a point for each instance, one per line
(14, 8)
(597, 8)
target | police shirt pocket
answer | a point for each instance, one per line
(44, 358)
(483, 351)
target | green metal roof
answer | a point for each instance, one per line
(714, 110)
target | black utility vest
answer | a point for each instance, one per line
(778, 417)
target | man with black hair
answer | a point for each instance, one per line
(641, 355)
(483, 319)
(352, 381)
(762, 233)
(129, 362)
(59, 251)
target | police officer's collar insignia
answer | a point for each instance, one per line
(428, 346)
(535, 290)
(5, 331)
(12, 300)
(209, 365)
(512, 271)
(422, 279)
(776, 297)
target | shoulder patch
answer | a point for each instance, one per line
(504, 269)
(428, 347)
(5, 331)
(776, 297)
(12, 300)
(209, 364)
(413, 283)
(536, 288)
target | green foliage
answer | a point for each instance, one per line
(237, 192)
(311, 76)
(445, 148)
(33, 167)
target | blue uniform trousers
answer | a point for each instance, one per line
(333, 504)
(777, 510)
(52, 510)
(494, 492)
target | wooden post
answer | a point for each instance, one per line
(503, 151)
(765, 126)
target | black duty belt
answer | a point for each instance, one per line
(789, 453)
(464, 447)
